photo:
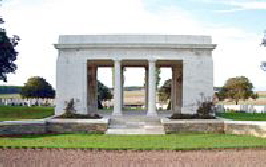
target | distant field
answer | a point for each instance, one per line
(8, 96)
(260, 101)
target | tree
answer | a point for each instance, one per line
(37, 87)
(158, 78)
(237, 88)
(165, 90)
(264, 39)
(263, 43)
(8, 53)
(104, 93)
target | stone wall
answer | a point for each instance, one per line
(53, 126)
(77, 126)
(194, 126)
(22, 127)
(253, 128)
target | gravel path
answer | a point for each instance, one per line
(117, 158)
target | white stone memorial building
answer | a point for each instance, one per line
(189, 57)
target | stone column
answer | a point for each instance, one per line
(117, 89)
(152, 89)
(178, 89)
(190, 87)
(96, 105)
(122, 86)
(84, 99)
(92, 88)
(173, 89)
(146, 87)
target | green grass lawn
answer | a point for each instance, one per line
(137, 142)
(12, 113)
(243, 116)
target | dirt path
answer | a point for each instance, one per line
(80, 158)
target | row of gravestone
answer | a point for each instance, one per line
(27, 102)
(241, 108)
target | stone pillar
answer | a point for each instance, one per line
(92, 88)
(117, 89)
(178, 88)
(189, 87)
(122, 86)
(146, 87)
(173, 89)
(152, 89)
(96, 105)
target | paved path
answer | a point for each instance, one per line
(116, 158)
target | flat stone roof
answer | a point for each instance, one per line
(134, 39)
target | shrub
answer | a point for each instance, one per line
(70, 112)
(204, 112)
(191, 116)
(206, 108)
(70, 108)
(80, 116)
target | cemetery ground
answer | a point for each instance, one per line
(138, 142)
(185, 141)
(15, 113)
(243, 116)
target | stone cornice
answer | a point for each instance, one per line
(135, 46)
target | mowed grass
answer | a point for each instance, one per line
(135, 142)
(13, 113)
(243, 116)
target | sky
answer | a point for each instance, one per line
(236, 26)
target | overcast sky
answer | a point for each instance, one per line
(236, 26)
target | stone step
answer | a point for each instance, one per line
(151, 127)
(135, 123)
(145, 119)
(160, 127)
(134, 131)
(125, 127)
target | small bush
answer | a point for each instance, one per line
(240, 111)
(79, 116)
(191, 116)
(205, 108)
(97, 116)
(70, 112)
(204, 112)
(231, 111)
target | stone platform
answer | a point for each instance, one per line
(135, 125)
